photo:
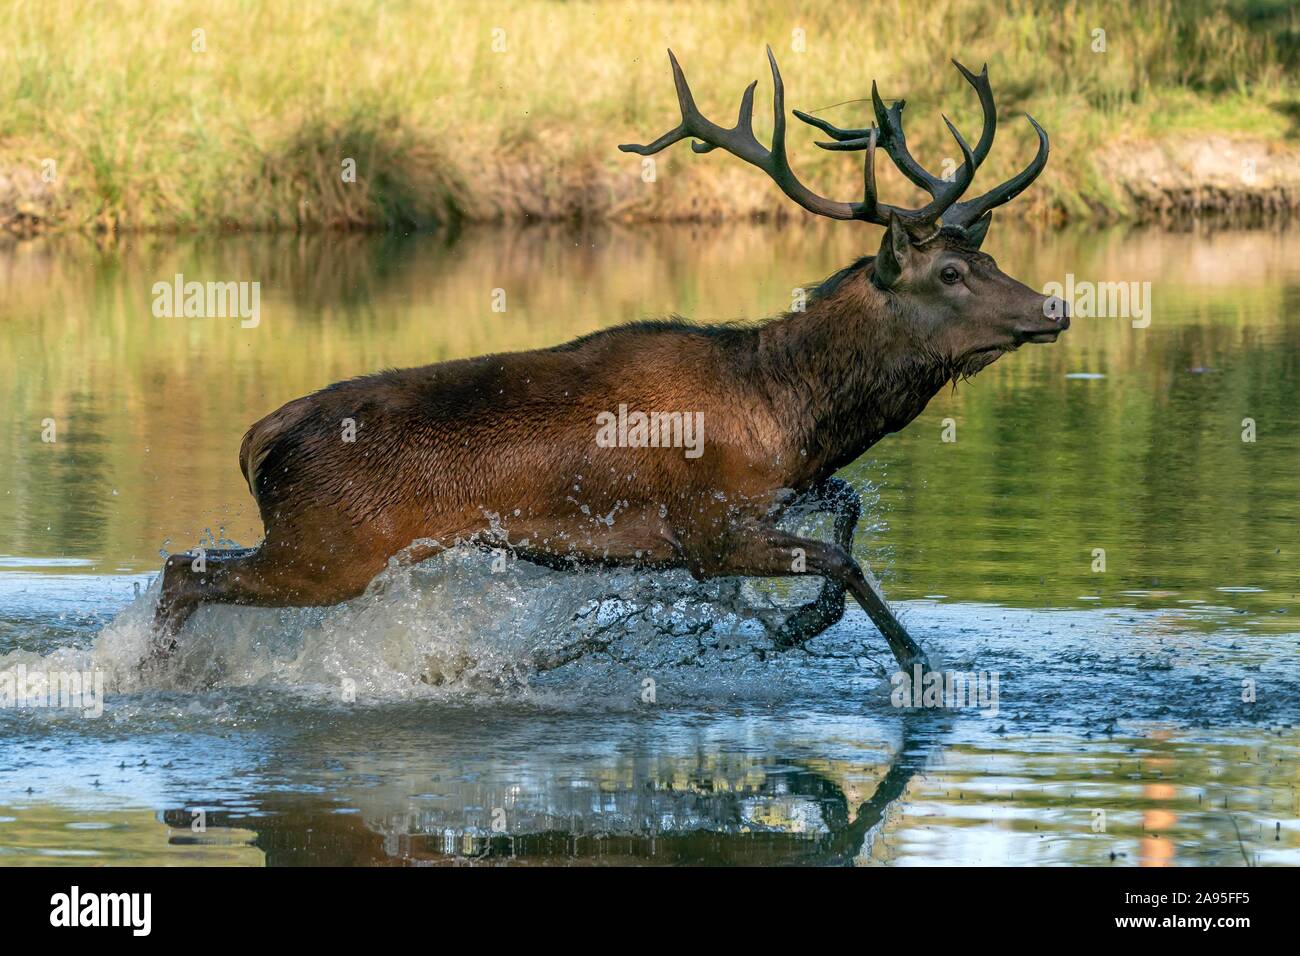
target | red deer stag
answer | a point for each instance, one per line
(519, 450)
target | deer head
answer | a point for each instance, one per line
(929, 264)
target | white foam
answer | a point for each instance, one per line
(451, 624)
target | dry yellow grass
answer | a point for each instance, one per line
(514, 108)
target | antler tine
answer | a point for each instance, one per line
(871, 207)
(987, 105)
(845, 139)
(947, 196)
(968, 212)
(777, 152)
(741, 142)
(894, 140)
(745, 120)
(875, 211)
(895, 143)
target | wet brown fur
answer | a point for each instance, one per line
(501, 449)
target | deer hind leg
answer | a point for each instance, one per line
(837, 497)
(184, 586)
(766, 551)
(250, 577)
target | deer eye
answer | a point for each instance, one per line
(950, 275)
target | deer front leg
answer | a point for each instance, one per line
(766, 551)
(837, 497)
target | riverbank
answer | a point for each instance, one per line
(258, 116)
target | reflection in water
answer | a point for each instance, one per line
(1011, 801)
(745, 814)
(1125, 734)
(729, 810)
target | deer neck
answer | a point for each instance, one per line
(843, 374)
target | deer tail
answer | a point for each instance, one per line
(262, 437)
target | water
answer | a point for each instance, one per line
(1120, 735)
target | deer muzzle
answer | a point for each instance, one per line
(1055, 320)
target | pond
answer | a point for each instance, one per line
(1107, 527)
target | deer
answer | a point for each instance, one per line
(505, 451)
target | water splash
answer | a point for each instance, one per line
(452, 624)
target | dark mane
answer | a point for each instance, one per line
(672, 325)
(724, 331)
(826, 288)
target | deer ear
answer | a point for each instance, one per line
(976, 232)
(895, 248)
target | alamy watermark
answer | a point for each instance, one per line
(208, 300)
(1101, 300)
(975, 690)
(130, 910)
(651, 430)
(66, 690)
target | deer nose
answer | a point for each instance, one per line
(1057, 309)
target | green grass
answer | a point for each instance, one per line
(253, 131)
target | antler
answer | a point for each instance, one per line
(891, 137)
(741, 142)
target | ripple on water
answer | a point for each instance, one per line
(1098, 708)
